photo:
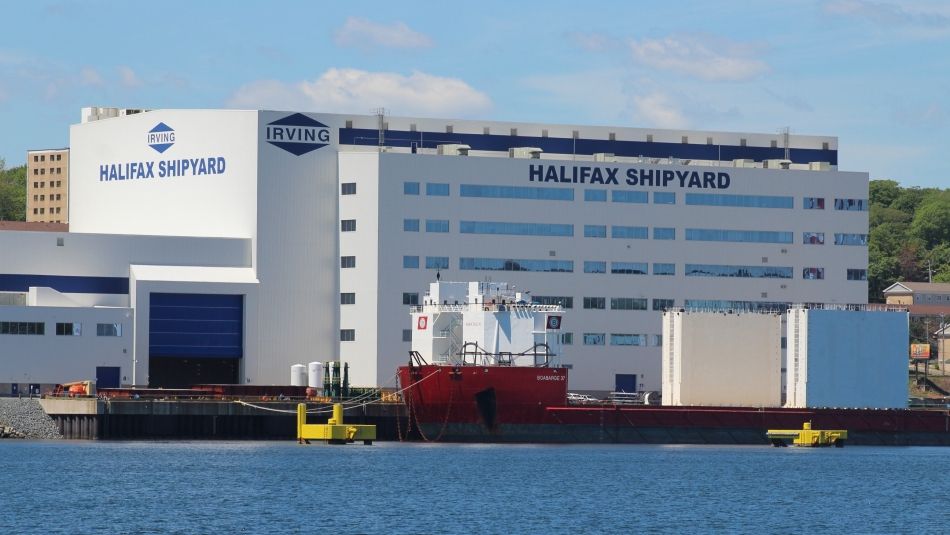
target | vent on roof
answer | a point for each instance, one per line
(743, 163)
(453, 149)
(777, 164)
(533, 153)
(604, 157)
(819, 166)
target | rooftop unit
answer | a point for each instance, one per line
(533, 153)
(453, 149)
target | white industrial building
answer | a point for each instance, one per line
(234, 244)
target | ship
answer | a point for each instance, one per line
(465, 381)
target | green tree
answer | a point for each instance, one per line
(931, 222)
(12, 193)
(883, 192)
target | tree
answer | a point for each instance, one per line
(931, 222)
(883, 192)
(12, 193)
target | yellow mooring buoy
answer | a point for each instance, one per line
(808, 437)
(334, 431)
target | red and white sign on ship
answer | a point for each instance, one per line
(422, 323)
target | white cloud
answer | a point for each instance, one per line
(886, 13)
(128, 78)
(363, 33)
(706, 58)
(658, 109)
(592, 42)
(90, 76)
(358, 91)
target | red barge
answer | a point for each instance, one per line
(473, 394)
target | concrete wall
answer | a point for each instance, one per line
(842, 358)
(722, 359)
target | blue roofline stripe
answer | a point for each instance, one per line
(65, 284)
(632, 149)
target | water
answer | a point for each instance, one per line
(278, 487)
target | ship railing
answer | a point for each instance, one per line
(485, 307)
(472, 354)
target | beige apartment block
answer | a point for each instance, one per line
(47, 185)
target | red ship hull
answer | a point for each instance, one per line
(520, 404)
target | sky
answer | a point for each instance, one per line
(876, 74)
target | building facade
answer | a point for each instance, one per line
(345, 220)
(47, 186)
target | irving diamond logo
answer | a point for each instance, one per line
(297, 134)
(161, 137)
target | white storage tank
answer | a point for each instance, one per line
(315, 374)
(298, 375)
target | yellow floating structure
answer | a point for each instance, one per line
(334, 431)
(808, 437)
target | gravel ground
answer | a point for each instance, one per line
(27, 418)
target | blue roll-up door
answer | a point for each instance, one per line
(107, 377)
(625, 382)
(196, 325)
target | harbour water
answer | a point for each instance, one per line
(281, 487)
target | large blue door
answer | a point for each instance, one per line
(625, 382)
(196, 325)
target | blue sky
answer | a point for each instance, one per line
(874, 73)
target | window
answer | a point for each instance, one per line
(716, 304)
(410, 298)
(410, 188)
(813, 273)
(348, 225)
(754, 272)
(437, 189)
(517, 192)
(59, 183)
(69, 329)
(567, 339)
(742, 236)
(742, 201)
(595, 303)
(347, 298)
(857, 274)
(23, 327)
(638, 197)
(628, 339)
(508, 264)
(664, 269)
(662, 304)
(348, 188)
(347, 335)
(664, 197)
(108, 329)
(851, 205)
(813, 238)
(595, 231)
(410, 262)
(437, 225)
(410, 225)
(437, 262)
(629, 268)
(515, 229)
(407, 335)
(593, 266)
(594, 339)
(628, 303)
(629, 233)
(562, 300)
(813, 203)
(657, 340)
(595, 195)
(840, 239)
(664, 233)
(347, 261)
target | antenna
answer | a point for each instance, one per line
(381, 124)
(785, 136)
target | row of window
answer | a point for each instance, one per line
(62, 329)
(818, 273)
(625, 196)
(619, 232)
(617, 268)
(52, 197)
(59, 170)
(58, 184)
(52, 157)
(42, 210)
(599, 339)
